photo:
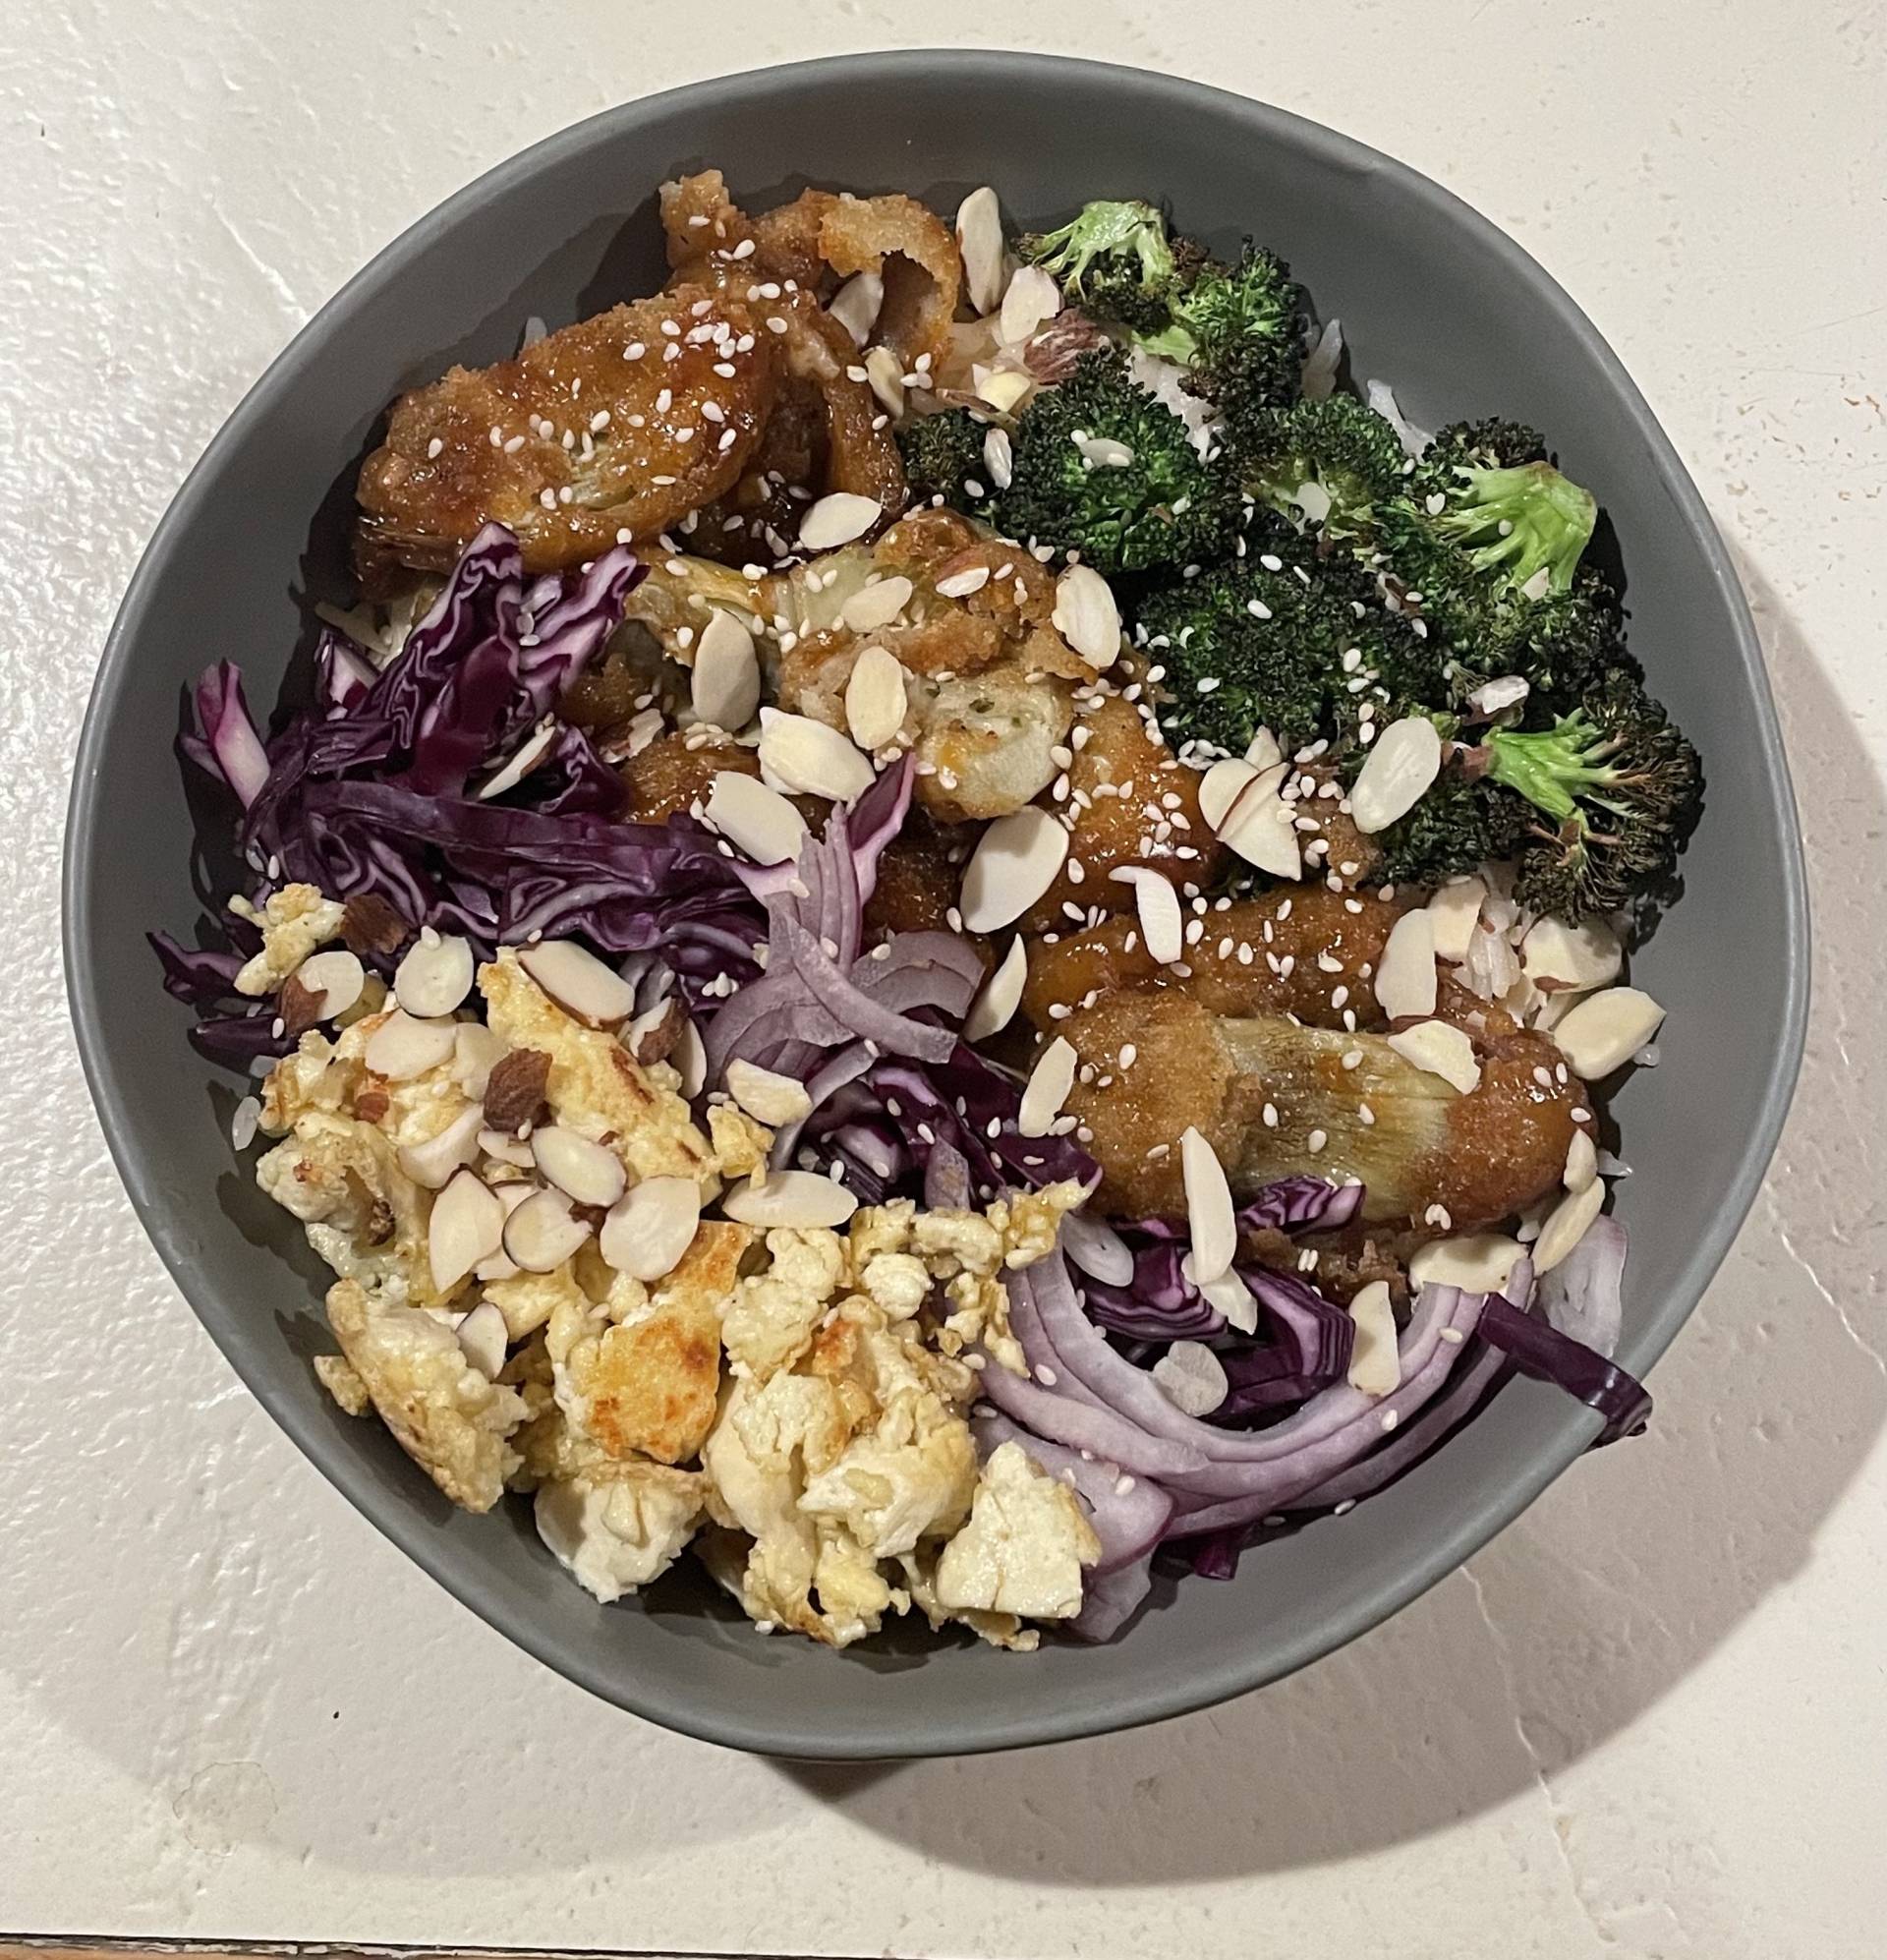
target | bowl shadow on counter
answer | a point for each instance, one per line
(1605, 1595)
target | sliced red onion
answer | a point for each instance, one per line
(1079, 1425)
(856, 1012)
(822, 1085)
(1093, 1245)
(1109, 1601)
(1582, 1296)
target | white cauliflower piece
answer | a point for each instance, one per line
(1025, 1544)
(771, 1320)
(295, 922)
(445, 1416)
(614, 1526)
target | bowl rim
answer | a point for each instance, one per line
(1161, 1695)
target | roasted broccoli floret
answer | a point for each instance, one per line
(1327, 463)
(1115, 260)
(1281, 640)
(1618, 789)
(1100, 467)
(943, 453)
(1240, 329)
(1458, 826)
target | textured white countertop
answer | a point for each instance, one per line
(1649, 1718)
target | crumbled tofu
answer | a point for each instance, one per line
(595, 1086)
(740, 1143)
(445, 1414)
(336, 1374)
(295, 922)
(897, 1281)
(912, 1478)
(647, 1386)
(614, 1526)
(1025, 1544)
(770, 1321)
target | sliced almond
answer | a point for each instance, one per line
(979, 237)
(801, 1199)
(1555, 955)
(855, 305)
(1004, 390)
(1375, 1366)
(1222, 785)
(430, 1164)
(335, 978)
(766, 1096)
(467, 1224)
(1406, 982)
(483, 1339)
(1086, 616)
(1565, 1225)
(1163, 926)
(579, 982)
(1440, 1050)
(1015, 861)
(836, 519)
(1030, 298)
(1606, 1029)
(754, 819)
(1000, 995)
(1262, 751)
(1259, 825)
(1093, 1245)
(1581, 1162)
(589, 1173)
(531, 751)
(498, 1265)
(998, 458)
(434, 976)
(1228, 1295)
(1452, 915)
(476, 1052)
(1509, 690)
(1209, 1208)
(1403, 762)
(540, 1235)
(1047, 1089)
(886, 373)
(877, 605)
(810, 759)
(690, 1059)
(1191, 1377)
(506, 1148)
(876, 699)
(650, 1227)
(723, 686)
(1477, 1262)
(960, 585)
(401, 1048)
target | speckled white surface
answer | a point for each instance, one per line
(1649, 1720)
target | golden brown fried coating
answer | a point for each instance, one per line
(1277, 1100)
(575, 441)
(1302, 949)
(1133, 803)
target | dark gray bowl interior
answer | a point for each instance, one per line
(1432, 297)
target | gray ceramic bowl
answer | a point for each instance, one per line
(1431, 295)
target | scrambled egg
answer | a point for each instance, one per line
(795, 1408)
